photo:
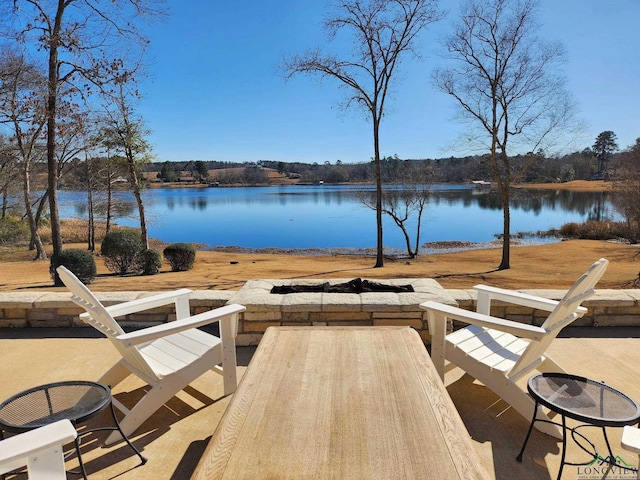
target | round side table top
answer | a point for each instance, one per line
(584, 400)
(45, 404)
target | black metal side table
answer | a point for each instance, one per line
(593, 403)
(77, 401)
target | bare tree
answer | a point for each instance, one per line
(126, 134)
(108, 171)
(508, 87)
(406, 202)
(9, 175)
(86, 43)
(22, 108)
(91, 175)
(382, 32)
(627, 190)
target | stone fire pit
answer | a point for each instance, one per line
(357, 285)
(265, 309)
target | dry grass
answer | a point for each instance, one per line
(543, 266)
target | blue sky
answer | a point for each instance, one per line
(215, 91)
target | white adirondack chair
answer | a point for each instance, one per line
(40, 450)
(168, 356)
(499, 352)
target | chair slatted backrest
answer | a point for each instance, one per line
(101, 320)
(565, 313)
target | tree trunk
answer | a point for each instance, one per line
(138, 194)
(376, 147)
(52, 164)
(41, 254)
(418, 230)
(41, 205)
(5, 203)
(143, 221)
(91, 229)
(506, 233)
(505, 195)
(407, 240)
(109, 194)
(35, 241)
(407, 237)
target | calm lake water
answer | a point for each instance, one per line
(332, 217)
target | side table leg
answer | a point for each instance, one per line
(82, 470)
(143, 460)
(533, 420)
(606, 440)
(564, 446)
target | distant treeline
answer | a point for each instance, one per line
(540, 169)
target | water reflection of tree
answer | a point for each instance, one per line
(198, 203)
(490, 201)
(598, 210)
(593, 205)
(120, 209)
(588, 205)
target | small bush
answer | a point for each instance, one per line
(80, 262)
(13, 230)
(181, 256)
(120, 249)
(149, 261)
(570, 229)
(595, 230)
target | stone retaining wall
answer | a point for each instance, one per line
(265, 309)
(40, 309)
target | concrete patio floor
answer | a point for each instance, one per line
(175, 437)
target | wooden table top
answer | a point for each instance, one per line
(342, 403)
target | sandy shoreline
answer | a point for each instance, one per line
(428, 248)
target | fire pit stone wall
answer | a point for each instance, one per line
(265, 309)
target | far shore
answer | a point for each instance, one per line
(576, 185)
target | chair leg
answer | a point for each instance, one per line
(551, 366)
(229, 362)
(525, 405)
(114, 375)
(147, 406)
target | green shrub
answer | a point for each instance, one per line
(181, 256)
(120, 249)
(149, 261)
(80, 262)
(13, 230)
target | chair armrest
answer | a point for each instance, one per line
(515, 328)
(15, 451)
(145, 303)
(631, 439)
(158, 331)
(515, 297)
